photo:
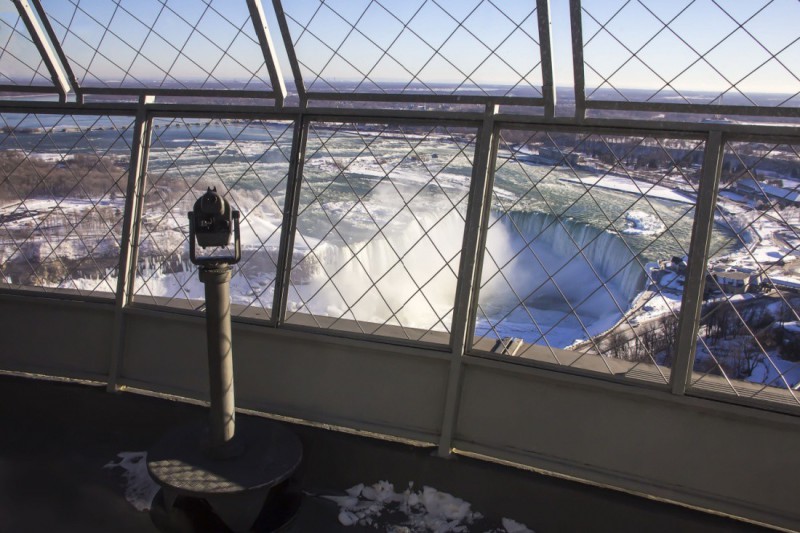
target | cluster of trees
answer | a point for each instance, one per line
(653, 342)
(742, 335)
(746, 160)
(738, 359)
(76, 176)
(724, 321)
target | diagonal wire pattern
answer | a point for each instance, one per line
(644, 51)
(20, 61)
(62, 194)
(379, 231)
(748, 326)
(247, 160)
(434, 47)
(579, 247)
(208, 44)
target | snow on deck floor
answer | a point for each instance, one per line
(378, 505)
(417, 511)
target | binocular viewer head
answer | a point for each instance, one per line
(212, 220)
(210, 224)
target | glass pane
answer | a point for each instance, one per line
(749, 339)
(20, 61)
(380, 229)
(170, 44)
(692, 52)
(586, 250)
(247, 161)
(418, 47)
(63, 181)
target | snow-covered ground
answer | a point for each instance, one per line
(630, 185)
(767, 235)
(775, 371)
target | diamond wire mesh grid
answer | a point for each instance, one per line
(430, 47)
(749, 338)
(379, 229)
(693, 52)
(62, 190)
(20, 61)
(585, 248)
(247, 160)
(207, 44)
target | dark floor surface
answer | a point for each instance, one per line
(56, 437)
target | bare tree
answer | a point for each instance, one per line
(743, 359)
(668, 324)
(617, 345)
(651, 343)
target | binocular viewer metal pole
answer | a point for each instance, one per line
(210, 225)
(222, 415)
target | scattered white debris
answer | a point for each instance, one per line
(425, 511)
(140, 488)
(347, 518)
(515, 527)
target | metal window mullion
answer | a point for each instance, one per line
(474, 225)
(483, 233)
(268, 50)
(391, 97)
(546, 53)
(715, 109)
(289, 224)
(290, 52)
(131, 228)
(51, 34)
(692, 302)
(577, 58)
(49, 56)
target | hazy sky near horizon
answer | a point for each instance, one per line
(444, 40)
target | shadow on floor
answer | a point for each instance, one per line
(57, 437)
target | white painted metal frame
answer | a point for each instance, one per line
(131, 229)
(49, 53)
(696, 271)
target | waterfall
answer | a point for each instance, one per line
(557, 278)
(405, 275)
(365, 280)
(575, 247)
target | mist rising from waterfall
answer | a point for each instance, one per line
(553, 280)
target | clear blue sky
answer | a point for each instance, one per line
(700, 22)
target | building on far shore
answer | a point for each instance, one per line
(733, 281)
(756, 189)
(555, 156)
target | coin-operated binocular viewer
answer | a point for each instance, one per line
(210, 224)
(242, 475)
